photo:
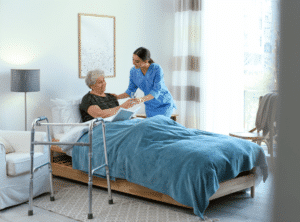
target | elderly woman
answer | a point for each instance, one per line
(97, 103)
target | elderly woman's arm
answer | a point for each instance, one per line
(95, 111)
(122, 96)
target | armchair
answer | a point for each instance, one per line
(15, 168)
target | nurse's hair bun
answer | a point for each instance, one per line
(151, 61)
(144, 54)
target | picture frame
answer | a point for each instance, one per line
(96, 44)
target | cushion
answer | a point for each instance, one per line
(55, 110)
(65, 111)
(8, 147)
(19, 163)
(70, 114)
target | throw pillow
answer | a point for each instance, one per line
(8, 147)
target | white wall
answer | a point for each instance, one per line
(44, 35)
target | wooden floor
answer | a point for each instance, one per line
(235, 207)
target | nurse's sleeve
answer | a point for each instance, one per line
(132, 86)
(157, 86)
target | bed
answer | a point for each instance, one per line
(146, 171)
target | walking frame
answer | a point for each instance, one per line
(37, 122)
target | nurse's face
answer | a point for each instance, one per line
(138, 62)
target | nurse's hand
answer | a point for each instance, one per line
(128, 104)
(136, 101)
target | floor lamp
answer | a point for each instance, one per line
(25, 80)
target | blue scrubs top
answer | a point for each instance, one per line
(152, 83)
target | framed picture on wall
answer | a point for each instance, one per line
(96, 46)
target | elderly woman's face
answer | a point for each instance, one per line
(138, 62)
(100, 85)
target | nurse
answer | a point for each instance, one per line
(149, 77)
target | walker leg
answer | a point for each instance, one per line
(51, 183)
(30, 210)
(50, 168)
(90, 183)
(110, 200)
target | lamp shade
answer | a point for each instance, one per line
(25, 80)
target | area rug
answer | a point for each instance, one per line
(71, 200)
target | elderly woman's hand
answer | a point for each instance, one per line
(137, 101)
(128, 104)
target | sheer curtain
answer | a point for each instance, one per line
(186, 62)
(211, 93)
(222, 89)
(238, 37)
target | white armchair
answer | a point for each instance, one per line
(15, 168)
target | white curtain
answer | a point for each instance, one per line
(186, 62)
(222, 58)
(216, 30)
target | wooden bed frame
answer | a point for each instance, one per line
(62, 167)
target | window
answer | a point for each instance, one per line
(261, 38)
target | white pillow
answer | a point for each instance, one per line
(70, 114)
(65, 111)
(8, 147)
(56, 113)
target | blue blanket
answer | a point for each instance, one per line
(158, 153)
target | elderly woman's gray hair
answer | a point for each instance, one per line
(92, 77)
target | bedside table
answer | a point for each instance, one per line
(173, 116)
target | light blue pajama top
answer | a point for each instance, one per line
(152, 83)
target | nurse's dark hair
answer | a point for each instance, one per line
(144, 54)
